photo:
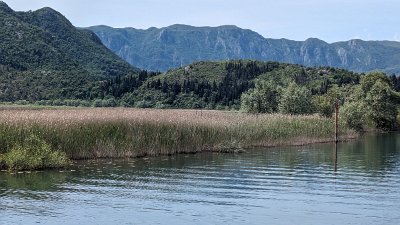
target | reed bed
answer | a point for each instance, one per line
(85, 133)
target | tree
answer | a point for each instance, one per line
(325, 103)
(382, 108)
(377, 101)
(354, 115)
(295, 100)
(370, 79)
(261, 99)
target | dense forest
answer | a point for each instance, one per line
(220, 85)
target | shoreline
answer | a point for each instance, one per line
(90, 133)
(233, 150)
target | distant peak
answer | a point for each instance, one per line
(356, 40)
(102, 26)
(314, 41)
(52, 16)
(229, 27)
(47, 10)
(2, 4)
(179, 27)
(184, 26)
(4, 7)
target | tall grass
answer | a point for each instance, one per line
(119, 132)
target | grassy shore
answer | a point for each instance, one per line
(120, 132)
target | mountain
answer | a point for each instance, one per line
(178, 45)
(45, 60)
(43, 56)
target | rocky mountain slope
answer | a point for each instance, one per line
(178, 45)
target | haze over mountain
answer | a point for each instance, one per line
(178, 45)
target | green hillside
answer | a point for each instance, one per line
(45, 60)
(220, 85)
(43, 56)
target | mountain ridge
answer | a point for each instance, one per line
(43, 56)
(169, 47)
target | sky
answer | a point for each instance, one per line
(329, 20)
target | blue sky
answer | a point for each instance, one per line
(329, 20)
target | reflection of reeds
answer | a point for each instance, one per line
(121, 132)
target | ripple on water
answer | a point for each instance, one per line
(278, 186)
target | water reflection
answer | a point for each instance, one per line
(335, 158)
(292, 185)
(27, 184)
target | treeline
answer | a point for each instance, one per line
(212, 85)
(120, 85)
(250, 86)
(370, 103)
(222, 92)
(196, 87)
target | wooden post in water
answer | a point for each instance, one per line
(336, 134)
(335, 158)
(336, 121)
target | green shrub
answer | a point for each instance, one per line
(22, 102)
(325, 104)
(261, 99)
(144, 104)
(296, 100)
(382, 107)
(34, 153)
(375, 101)
(354, 114)
(98, 103)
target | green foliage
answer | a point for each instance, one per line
(378, 100)
(382, 109)
(325, 85)
(44, 57)
(395, 80)
(354, 115)
(369, 80)
(45, 60)
(206, 85)
(109, 101)
(261, 99)
(34, 153)
(295, 100)
(325, 103)
(220, 85)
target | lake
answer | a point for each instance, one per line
(358, 184)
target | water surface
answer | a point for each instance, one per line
(291, 185)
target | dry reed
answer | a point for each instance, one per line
(85, 133)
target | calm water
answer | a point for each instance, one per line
(295, 185)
